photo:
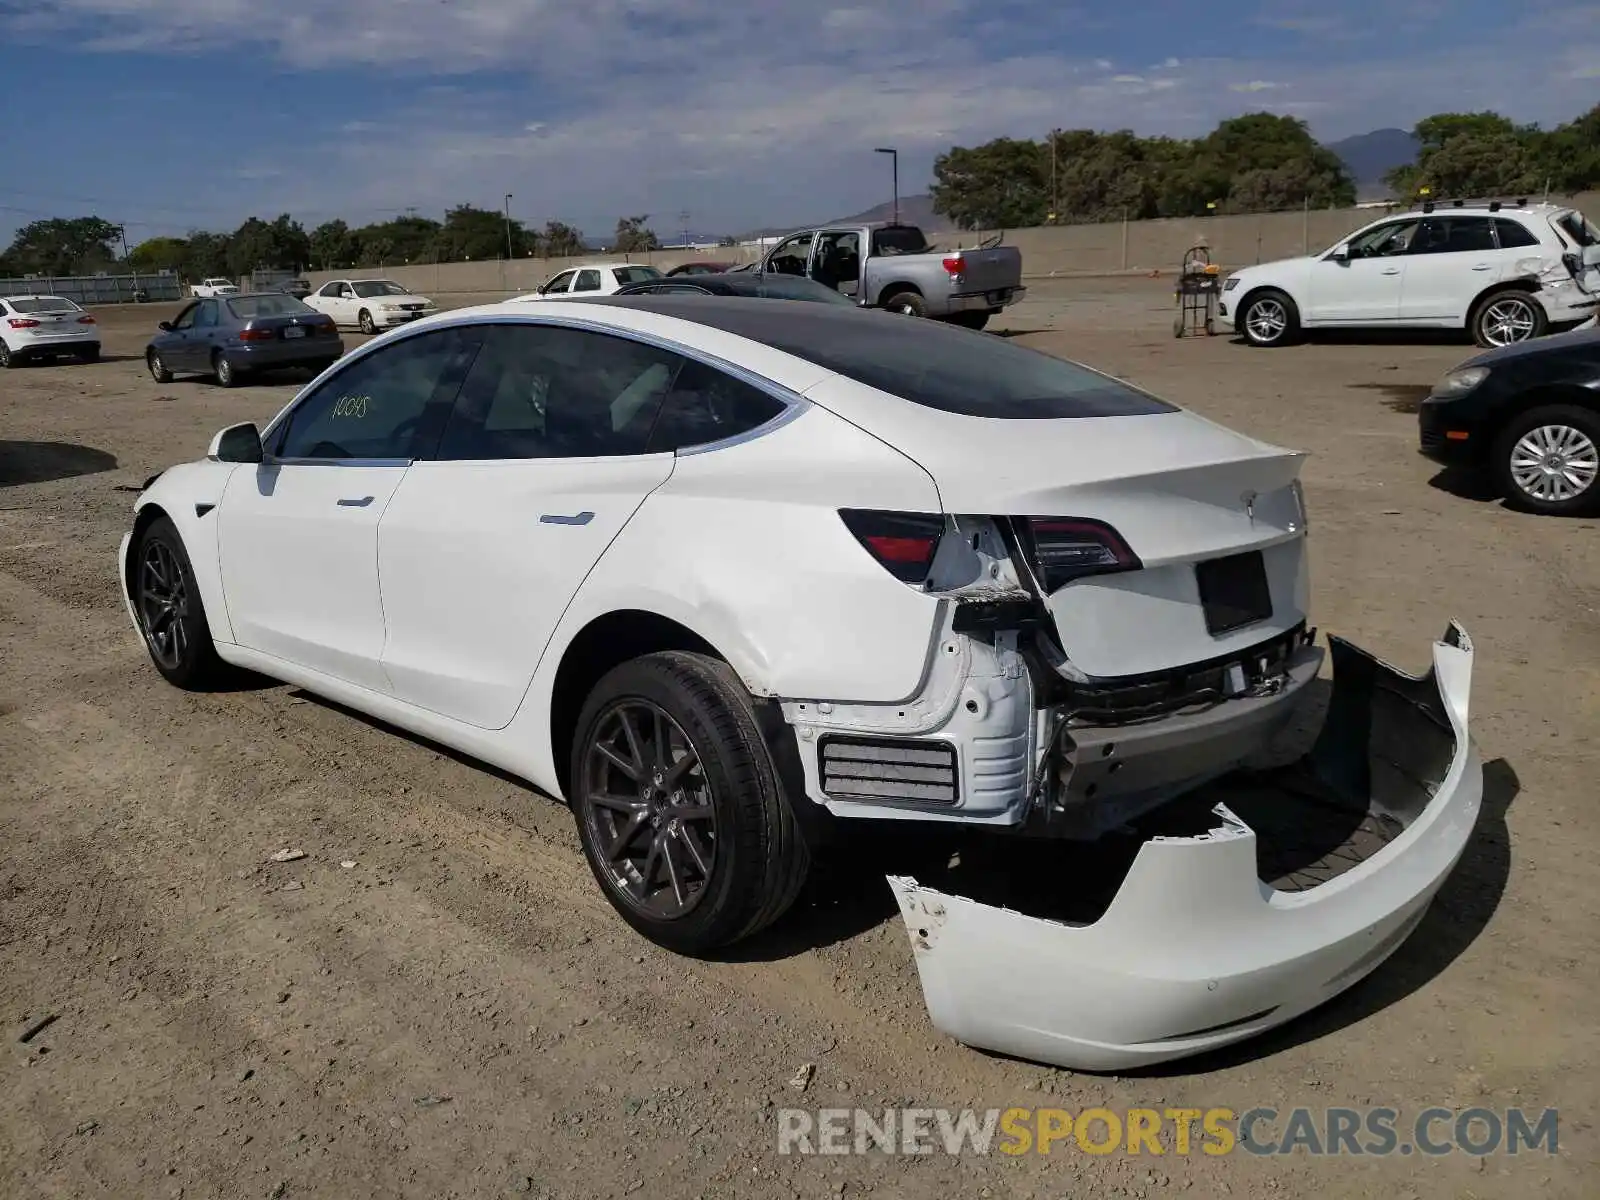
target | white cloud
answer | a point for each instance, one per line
(576, 108)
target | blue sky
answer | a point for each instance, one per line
(176, 114)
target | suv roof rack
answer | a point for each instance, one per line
(1494, 204)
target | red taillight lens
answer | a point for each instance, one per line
(86, 319)
(22, 322)
(955, 264)
(257, 335)
(903, 543)
(1061, 549)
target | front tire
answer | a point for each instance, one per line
(1548, 461)
(1506, 318)
(679, 808)
(368, 326)
(1269, 319)
(172, 617)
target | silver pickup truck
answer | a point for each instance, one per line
(901, 272)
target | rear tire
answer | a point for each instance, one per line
(158, 367)
(908, 304)
(89, 354)
(8, 360)
(1506, 318)
(1269, 319)
(227, 374)
(683, 820)
(171, 615)
(1547, 461)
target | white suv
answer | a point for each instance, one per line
(1505, 273)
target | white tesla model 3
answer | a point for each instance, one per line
(724, 574)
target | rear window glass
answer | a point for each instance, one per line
(899, 239)
(246, 308)
(44, 304)
(956, 371)
(1578, 229)
(636, 274)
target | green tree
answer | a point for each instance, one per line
(634, 236)
(1003, 184)
(330, 245)
(1272, 162)
(560, 240)
(1468, 154)
(63, 246)
(261, 245)
(207, 254)
(476, 233)
(404, 239)
(159, 254)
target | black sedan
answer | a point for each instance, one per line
(1528, 414)
(231, 337)
(740, 283)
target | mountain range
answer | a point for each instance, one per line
(1367, 156)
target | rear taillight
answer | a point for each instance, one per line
(955, 264)
(22, 322)
(257, 335)
(86, 319)
(1061, 549)
(903, 543)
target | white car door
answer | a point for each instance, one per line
(326, 299)
(298, 533)
(545, 459)
(1452, 259)
(588, 280)
(1363, 286)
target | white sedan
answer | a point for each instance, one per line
(728, 576)
(370, 304)
(36, 327)
(593, 279)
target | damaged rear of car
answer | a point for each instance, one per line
(1121, 601)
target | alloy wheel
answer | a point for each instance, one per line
(1266, 320)
(648, 807)
(1508, 320)
(1554, 463)
(164, 604)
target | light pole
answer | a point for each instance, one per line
(511, 251)
(894, 166)
(1054, 194)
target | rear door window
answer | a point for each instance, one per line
(1513, 234)
(1454, 235)
(544, 391)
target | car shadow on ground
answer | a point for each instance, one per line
(1466, 484)
(1380, 337)
(41, 462)
(1013, 333)
(1400, 397)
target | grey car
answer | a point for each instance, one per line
(232, 337)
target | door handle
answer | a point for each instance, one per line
(1483, 267)
(362, 502)
(582, 518)
(1392, 271)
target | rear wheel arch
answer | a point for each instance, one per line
(605, 643)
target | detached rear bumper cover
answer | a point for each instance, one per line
(1195, 951)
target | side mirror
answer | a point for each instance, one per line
(165, 326)
(1341, 253)
(237, 444)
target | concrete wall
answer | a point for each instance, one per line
(1235, 241)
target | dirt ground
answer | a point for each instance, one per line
(460, 1015)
